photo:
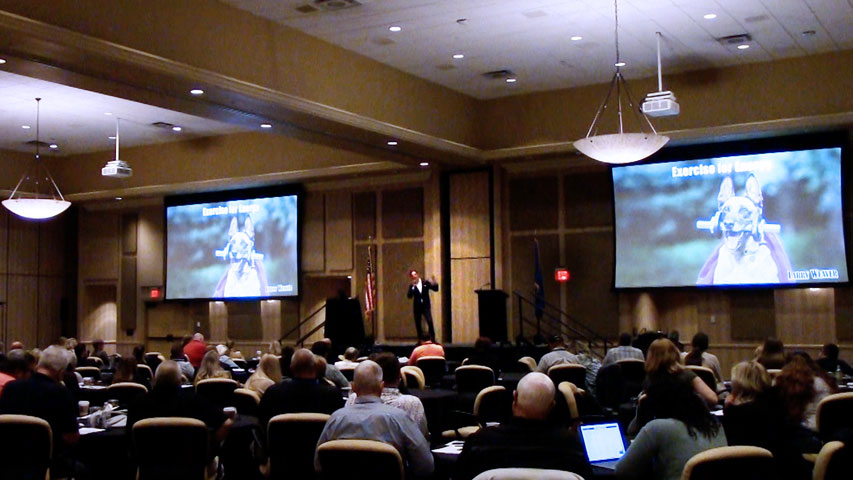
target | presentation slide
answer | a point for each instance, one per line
(760, 219)
(232, 249)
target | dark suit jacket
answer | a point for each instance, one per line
(420, 299)
(299, 396)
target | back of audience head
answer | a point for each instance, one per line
(97, 345)
(771, 354)
(303, 364)
(53, 361)
(556, 341)
(699, 346)
(168, 376)
(830, 351)
(367, 379)
(320, 366)
(749, 380)
(177, 352)
(16, 364)
(796, 386)
(139, 353)
(533, 399)
(424, 338)
(286, 356)
(678, 400)
(390, 365)
(351, 354)
(16, 346)
(125, 370)
(625, 339)
(663, 357)
(270, 368)
(322, 347)
(483, 344)
(198, 337)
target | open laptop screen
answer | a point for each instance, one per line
(603, 442)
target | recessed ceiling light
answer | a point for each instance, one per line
(118, 198)
(620, 64)
(112, 137)
(392, 143)
(197, 91)
(511, 80)
(709, 16)
(108, 113)
(395, 28)
(266, 125)
(25, 127)
(54, 146)
(2, 61)
(349, 277)
(458, 56)
(576, 38)
(176, 128)
(743, 46)
(424, 164)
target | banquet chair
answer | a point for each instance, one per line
(153, 360)
(26, 445)
(567, 389)
(144, 373)
(240, 362)
(219, 391)
(526, 474)
(89, 372)
(834, 412)
(706, 374)
(348, 372)
(434, 369)
(473, 378)
(125, 392)
(568, 372)
(833, 462)
(633, 373)
(359, 460)
(246, 401)
(528, 362)
(731, 463)
(171, 447)
(95, 361)
(413, 378)
(493, 404)
(291, 440)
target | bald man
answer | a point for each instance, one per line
(370, 419)
(528, 440)
(302, 393)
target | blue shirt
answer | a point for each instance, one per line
(370, 419)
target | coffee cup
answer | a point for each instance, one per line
(82, 408)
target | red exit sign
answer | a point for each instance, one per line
(561, 274)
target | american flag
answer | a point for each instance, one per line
(370, 284)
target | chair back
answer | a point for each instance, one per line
(246, 401)
(493, 404)
(89, 372)
(833, 462)
(360, 460)
(434, 368)
(633, 374)
(473, 378)
(125, 392)
(731, 463)
(706, 374)
(219, 391)
(95, 361)
(348, 372)
(170, 447)
(567, 389)
(834, 412)
(153, 360)
(291, 440)
(568, 372)
(528, 362)
(240, 362)
(144, 373)
(526, 474)
(413, 377)
(26, 444)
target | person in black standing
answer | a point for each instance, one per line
(419, 293)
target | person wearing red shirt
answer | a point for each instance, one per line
(425, 348)
(195, 350)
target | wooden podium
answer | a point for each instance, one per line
(492, 312)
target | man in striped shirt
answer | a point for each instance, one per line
(623, 352)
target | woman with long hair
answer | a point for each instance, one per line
(663, 365)
(682, 427)
(210, 367)
(771, 354)
(802, 388)
(700, 357)
(267, 374)
(126, 372)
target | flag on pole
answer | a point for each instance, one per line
(538, 282)
(370, 284)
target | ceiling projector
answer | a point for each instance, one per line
(660, 104)
(117, 169)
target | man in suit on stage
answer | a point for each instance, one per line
(419, 293)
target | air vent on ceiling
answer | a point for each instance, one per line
(163, 125)
(33, 143)
(499, 74)
(735, 39)
(328, 5)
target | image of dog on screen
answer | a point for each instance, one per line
(750, 251)
(245, 275)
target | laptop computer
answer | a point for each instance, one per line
(604, 444)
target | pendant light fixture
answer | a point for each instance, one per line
(618, 148)
(44, 200)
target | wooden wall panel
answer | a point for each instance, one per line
(22, 310)
(271, 319)
(4, 244)
(51, 247)
(244, 320)
(364, 213)
(470, 233)
(164, 319)
(403, 213)
(397, 260)
(23, 243)
(99, 313)
(339, 231)
(588, 199)
(99, 246)
(51, 290)
(805, 315)
(844, 314)
(752, 314)
(466, 276)
(589, 296)
(217, 321)
(313, 231)
(533, 203)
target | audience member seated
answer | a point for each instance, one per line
(592, 364)
(528, 440)
(682, 427)
(771, 354)
(176, 354)
(126, 371)
(195, 350)
(426, 348)
(829, 360)
(370, 419)
(754, 415)
(42, 395)
(210, 368)
(391, 395)
(233, 352)
(81, 355)
(623, 352)
(349, 360)
(225, 358)
(557, 356)
(484, 355)
(139, 354)
(302, 393)
(15, 366)
(267, 375)
(802, 387)
(673, 337)
(285, 356)
(16, 346)
(323, 348)
(167, 400)
(700, 357)
(98, 351)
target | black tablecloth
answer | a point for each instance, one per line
(437, 404)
